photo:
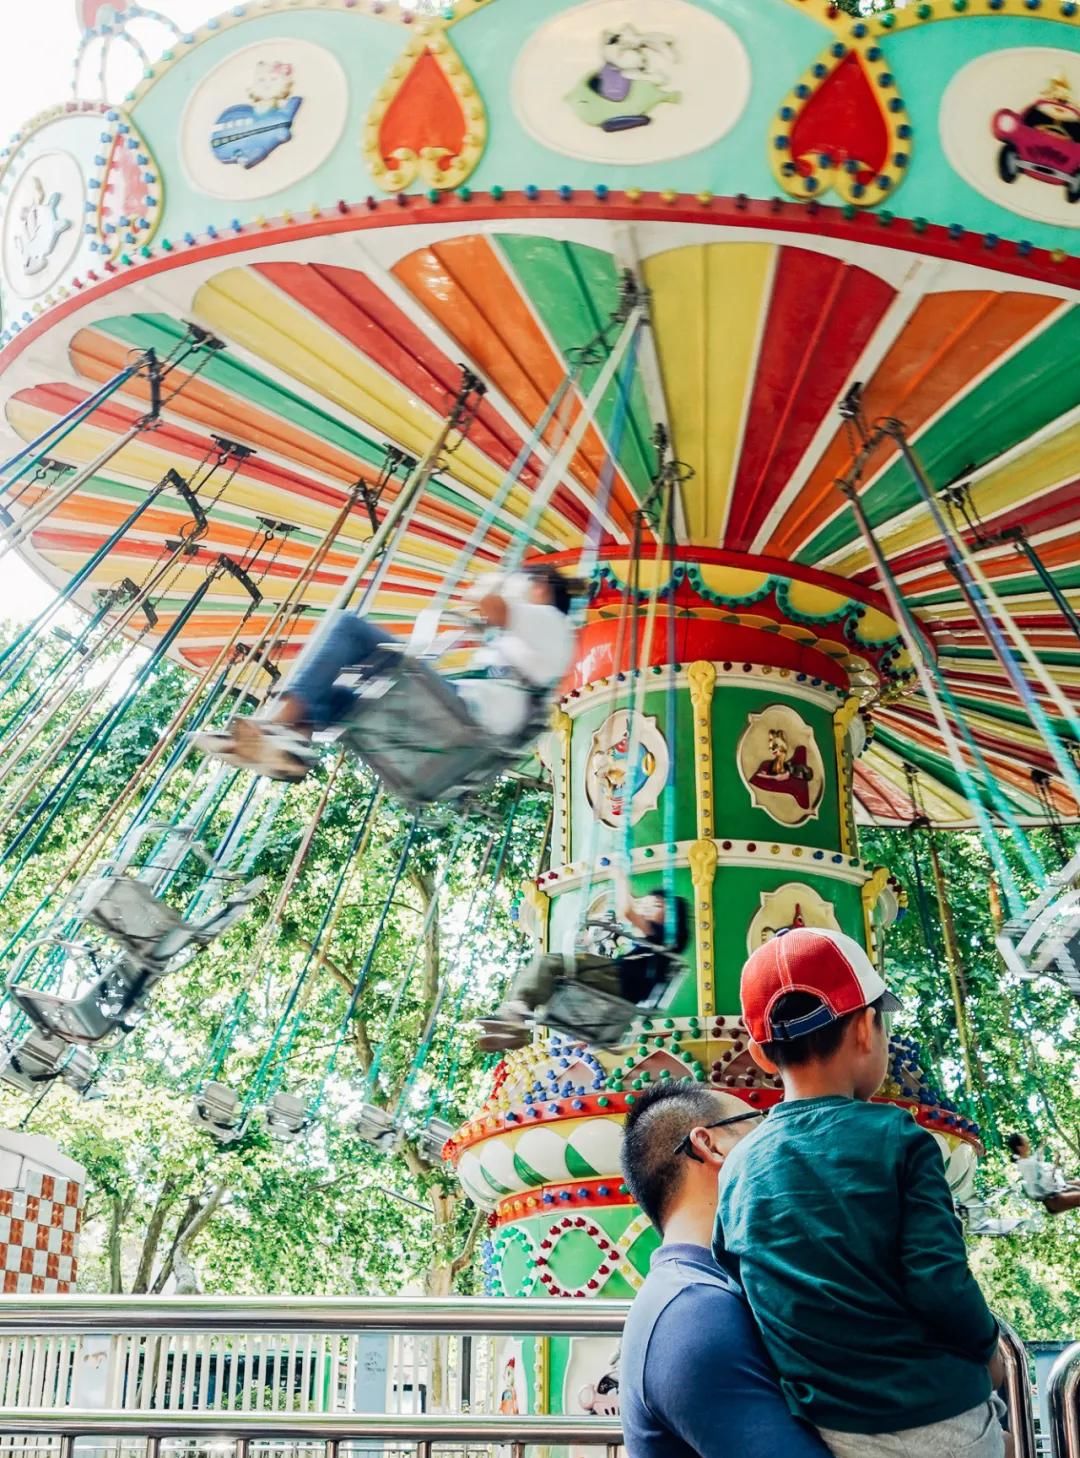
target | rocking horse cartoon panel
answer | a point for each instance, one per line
(781, 765)
(627, 768)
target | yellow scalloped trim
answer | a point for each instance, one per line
(425, 165)
(826, 178)
(845, 771)
(563, 727)
(153, 215)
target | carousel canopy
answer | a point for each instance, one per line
(484, 181)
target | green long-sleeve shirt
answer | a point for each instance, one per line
(840, 1220)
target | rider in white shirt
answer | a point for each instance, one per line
(1042, 1180)
(530, 647)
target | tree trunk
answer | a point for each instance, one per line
(196, 1219)
(152, 1240)
(116, 1221)
(441, 1277)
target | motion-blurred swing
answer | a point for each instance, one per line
(153, 940)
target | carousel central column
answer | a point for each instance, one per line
(727, 776)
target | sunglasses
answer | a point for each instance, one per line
(683, 1146)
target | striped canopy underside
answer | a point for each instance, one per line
(755, 342)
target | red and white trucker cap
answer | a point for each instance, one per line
(826, 964)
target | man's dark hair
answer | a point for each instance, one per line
(557, 585)
(1014, 1142)
(655, 1123)
(811, 1047)
(680, 922)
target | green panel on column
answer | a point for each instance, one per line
(738, 894)
(736, 813)
(591, 838)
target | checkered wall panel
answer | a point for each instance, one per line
(39, 1234)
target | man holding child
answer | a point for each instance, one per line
(834, 1226)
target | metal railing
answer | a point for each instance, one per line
(273, 1370)
(1063, 1400)
(128, 1374)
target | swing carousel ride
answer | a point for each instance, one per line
(758, 315)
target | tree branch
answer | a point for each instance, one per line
(468, 1250)
(152, 1240)
(116, 1220)
(361, 1042)
(191, 1209)
(425, 886)
(197, 1216)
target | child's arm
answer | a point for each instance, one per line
(939, 1285)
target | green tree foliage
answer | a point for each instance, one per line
(326, 1214)
(864, 7)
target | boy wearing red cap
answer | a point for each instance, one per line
(837, 1214)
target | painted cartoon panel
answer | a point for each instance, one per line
(627, 768)
(511, 1398)
(42, 223)
(265, 118)
(781, 765)
(248, 133)
(631, 81)
(1010, 126)
(592, 1381)
(795, 904)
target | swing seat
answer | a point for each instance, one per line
(113, 1001)
(216, 1108)
(588, 1015)
(1045, 939)
(286, 1117)
(416, 734)
(377, 1128)
(433, 1139)
(39, 1058)
(150, 932)
(980, 1219)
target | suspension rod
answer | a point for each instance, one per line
(66, 424)
(378, 544)
(1018, 536)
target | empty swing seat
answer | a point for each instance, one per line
(112, 1001)
(151, 933)
(40, 1057)
(286, 1117)
(417, 735)
(1045, 939)
(433, 1139)
(216, 1108)
(377, 1128)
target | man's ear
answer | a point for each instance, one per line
(701, 1144)
(757, 1053)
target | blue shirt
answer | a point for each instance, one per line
(694, 1378)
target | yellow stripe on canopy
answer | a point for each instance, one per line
(707, 305)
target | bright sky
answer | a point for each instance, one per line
(38, 41)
